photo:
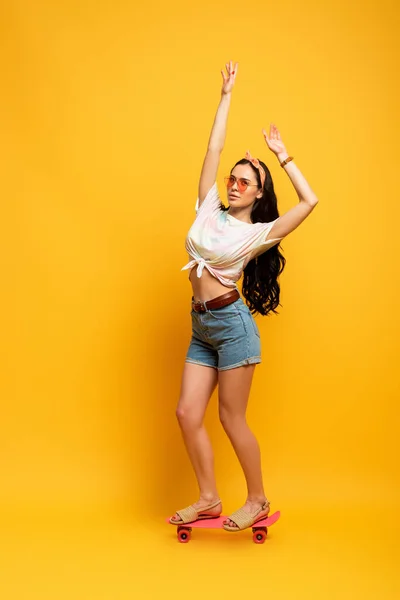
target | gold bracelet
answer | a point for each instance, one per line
(288, 159)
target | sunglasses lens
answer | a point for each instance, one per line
(241, 183)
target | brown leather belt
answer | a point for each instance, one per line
(217, 302)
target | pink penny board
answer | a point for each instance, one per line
(259, 528)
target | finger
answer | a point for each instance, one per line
(227, 69)
(223, 76)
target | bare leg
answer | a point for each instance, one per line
(234, 390)
(198, 384)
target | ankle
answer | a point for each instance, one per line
(209, 497)
(257, 499)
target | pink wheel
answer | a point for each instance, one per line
(184, 534)
(260, 535)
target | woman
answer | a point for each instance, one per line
(225, 346)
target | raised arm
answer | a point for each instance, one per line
(218, 133)
(307, 198)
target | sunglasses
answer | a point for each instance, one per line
(242, 183)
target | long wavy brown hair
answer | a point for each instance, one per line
(260, 287)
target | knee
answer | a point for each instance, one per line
(226, 418)
(231, 420)
(187, 417)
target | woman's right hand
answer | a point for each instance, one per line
(229, 79)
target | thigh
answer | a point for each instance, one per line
(234, 389)
(201, 351)
(234, 335)
(198, 384)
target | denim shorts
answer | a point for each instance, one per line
(224, 338)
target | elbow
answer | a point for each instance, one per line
(310, 200)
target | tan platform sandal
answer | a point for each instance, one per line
(190, 514)
(244, 519)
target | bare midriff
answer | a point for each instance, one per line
(207, 286)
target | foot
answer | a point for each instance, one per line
(251, 506)
(203, 503)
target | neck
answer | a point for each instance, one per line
(241, 214)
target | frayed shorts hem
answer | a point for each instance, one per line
(253, 360)
(197, 362)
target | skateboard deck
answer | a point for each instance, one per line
(260, 528)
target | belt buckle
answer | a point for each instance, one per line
(202, 308)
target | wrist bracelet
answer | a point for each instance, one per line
(288, 159)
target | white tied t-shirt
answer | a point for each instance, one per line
(221, 243)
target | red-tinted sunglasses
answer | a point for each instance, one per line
(242, 183)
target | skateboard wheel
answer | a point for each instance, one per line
(184, 535)
(260, 535)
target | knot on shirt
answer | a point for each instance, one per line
(200, 267)
(200, 262)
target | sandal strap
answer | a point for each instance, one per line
(187, 514)
(191, 514)
(243, 519)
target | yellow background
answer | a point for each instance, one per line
(106, 110)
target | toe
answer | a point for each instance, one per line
(231, 524)
(176, 517)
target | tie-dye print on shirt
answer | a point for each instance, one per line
(221, 243)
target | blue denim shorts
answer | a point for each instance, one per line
(224, 338)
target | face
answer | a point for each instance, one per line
(247, 197)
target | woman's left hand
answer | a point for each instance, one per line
(274, 141)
